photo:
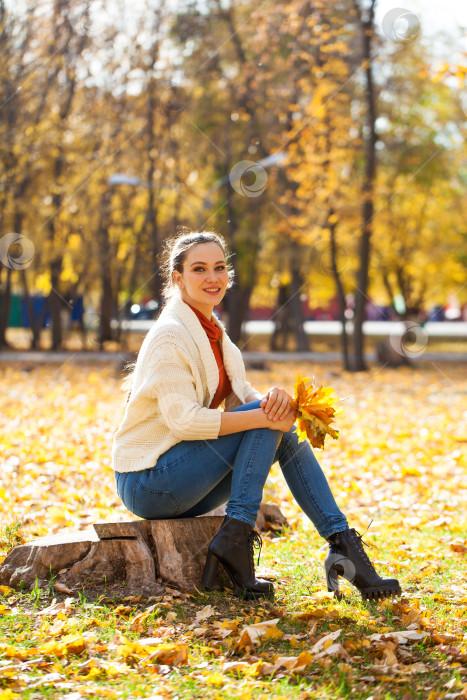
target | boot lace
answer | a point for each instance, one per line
(255, 541)
(359, 542)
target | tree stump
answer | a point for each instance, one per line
(270, 517)
(146, 554)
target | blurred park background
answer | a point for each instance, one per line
(325, 141)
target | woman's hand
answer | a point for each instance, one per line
(276, 404)
(285, 424)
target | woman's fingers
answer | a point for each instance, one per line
(271, 399)
(282, 407)
(276, 403)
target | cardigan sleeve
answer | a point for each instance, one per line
(173, 385)
(249, 389)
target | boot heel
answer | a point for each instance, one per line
(233, 547)
(210, 571)
(332, 580)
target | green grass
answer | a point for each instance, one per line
(295, 558)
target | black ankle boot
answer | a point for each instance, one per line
(233, 548)
(347, 558)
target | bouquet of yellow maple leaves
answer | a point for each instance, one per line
(315, 406)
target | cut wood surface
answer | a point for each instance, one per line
(146, 554)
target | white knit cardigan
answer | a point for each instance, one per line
(174, 381)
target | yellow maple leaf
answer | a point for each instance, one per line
(316, 412)
(305, 658)
(8, 695)
(215, 679)
(250, 635)
(168, 654)
(273, 633)
(22, 654)
(6, 590)
(71, 644)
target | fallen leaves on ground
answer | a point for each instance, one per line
(405, 469)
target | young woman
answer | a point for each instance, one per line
(175, 455)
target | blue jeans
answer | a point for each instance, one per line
(196, 476)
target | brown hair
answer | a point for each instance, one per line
(173, 258)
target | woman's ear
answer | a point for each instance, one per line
(177, 278)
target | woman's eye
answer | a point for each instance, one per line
(201, 269)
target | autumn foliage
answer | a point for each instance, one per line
(251, 82)
(315, 407)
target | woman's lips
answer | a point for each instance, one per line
(213, 293)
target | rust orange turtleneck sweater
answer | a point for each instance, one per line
(214, 334)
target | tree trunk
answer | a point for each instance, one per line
(361, 298)
(119, 337)
(105, 254)
(331, 225)
(367, 30)
(295, 303)
(280, 335)
(55, 303)
(237, 303)
(5, 302)
(233, 303)
(105, 329)
(34, 323)
(132, 286)
(340, 291)
(387, 284)
(156, 281)
(151, 224)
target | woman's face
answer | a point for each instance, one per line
(204, 280)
